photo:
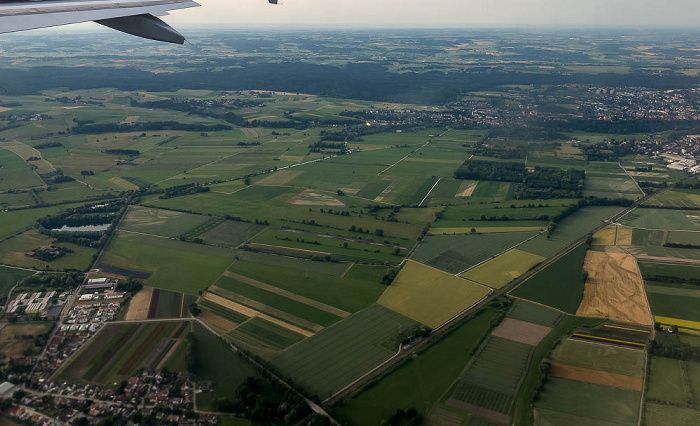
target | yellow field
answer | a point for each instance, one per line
(624, 236)
(605, 237)
(483, 230)
(682, 324)
(503, 269)
(139, 305)
(430, 296)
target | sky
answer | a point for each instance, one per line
(441, 13)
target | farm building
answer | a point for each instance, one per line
(115, 295)
(6, 390)
(100, 284)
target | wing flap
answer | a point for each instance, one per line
(18, 16)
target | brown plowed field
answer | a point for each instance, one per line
(596, 377)
(521, 331)
(614, 289)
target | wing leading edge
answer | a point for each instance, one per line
(136, 17)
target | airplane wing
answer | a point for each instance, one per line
(136, 17)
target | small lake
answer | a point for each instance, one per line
(84, 228)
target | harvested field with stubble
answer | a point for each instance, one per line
(588, 375)
(614, 289)
(139, 305)
(521, 331)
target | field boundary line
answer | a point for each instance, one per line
(428, 194)
(288, 294)
(540, 304)
(504, 252)
(248, 311)
(633, 180)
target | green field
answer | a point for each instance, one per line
(339, 248)
(9, 277)
(669, 270)
(618, 360)
(277, 301)
(656, 414)
(678, 198)
(15, 221)
(661, 219)
(420, 381)
(500, 271)
(590, 401)
(165, 223)
(498, 366)
(216, 362)
(231, 233)
(15, 173)
(173, 304)
(455, 253)
(569, 230)
(12, 252)
(531, 312)
(173, 265)
(559, 285)
(669, 381)
(312, 280)
(430, 296)
(269, 333)
(647, 237)
(673, 300)
(333, 358)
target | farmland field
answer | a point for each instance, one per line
(231, 233)
(314, 280)
(9, 277)
(560, 285)
(569, 230)
(614, 289)
(169, 304)
(118, 350)
(503, 269)
(173, 265)
(612, 359)
(536, 314)
(669, 381)
(455, 253)
(492, 378)
(422, 379)
(14, 344)
(430, 296)
(336, 356)
(686, 220)
(676, 198)
(657, 414)
(216, 362)
(590, 401)
(673, 300)
(160, 222)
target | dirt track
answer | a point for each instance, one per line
(614, 289)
